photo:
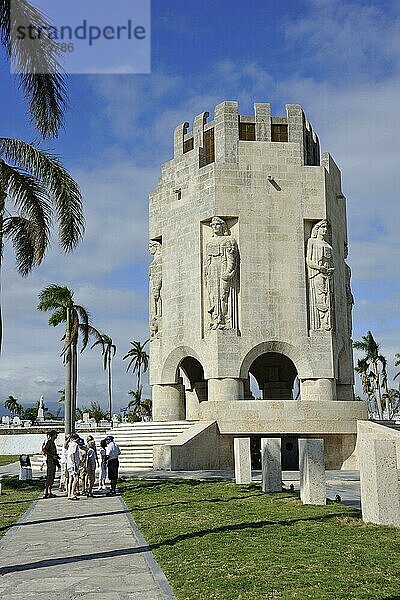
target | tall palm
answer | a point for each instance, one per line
(60, 300)
(108, 352)
(371, 349)
(35, 189)
(139, 360)
(13, 406)
(397, 364)
(37, 65)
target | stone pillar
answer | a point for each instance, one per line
(225, 389)
(312, 471)
(262, 112)
(169, 402)
(323, 390)
(380, 502)
(192, 405)
(271, 464)
(241, 450)
(226, 132)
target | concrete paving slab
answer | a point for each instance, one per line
(82, 549)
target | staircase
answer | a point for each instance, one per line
(136, 442)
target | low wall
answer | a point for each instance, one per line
(375, 431)
(200, 447)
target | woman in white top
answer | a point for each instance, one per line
(103, 466)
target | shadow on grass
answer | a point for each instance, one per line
(52, 562)
(241, 526)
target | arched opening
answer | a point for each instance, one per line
(276, 377)
(191, 373)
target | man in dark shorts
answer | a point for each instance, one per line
(50, 451)
(112, 453)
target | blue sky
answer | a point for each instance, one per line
(340, 60)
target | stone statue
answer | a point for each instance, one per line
(320, 269)
(221, 271)
(349, 294)
(40, 414)
(155, 272)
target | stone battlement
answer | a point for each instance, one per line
(217, 140)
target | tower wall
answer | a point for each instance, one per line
(249, 276)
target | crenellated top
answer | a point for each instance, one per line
(217, 140)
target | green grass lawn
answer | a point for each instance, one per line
(229, 542)
(8, 459)
(15, 499)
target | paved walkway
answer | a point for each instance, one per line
(90, 549)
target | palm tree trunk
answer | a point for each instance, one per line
(109, 386)
(68, 376)
(3, 197)
(74, 385)
(67, 385)
(378, 390)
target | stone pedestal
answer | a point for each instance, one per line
(380, 501)
(312, 471)
(169, 402)
(241, 449)
(271, 464)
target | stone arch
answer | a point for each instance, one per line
(304, 367)
(173, 361)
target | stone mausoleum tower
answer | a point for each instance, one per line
(249, 286)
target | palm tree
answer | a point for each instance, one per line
(139, 360)
(371, 349)
(38, 190)
(60, 299)
(38, 66)
(13, 406)
(108, 352)
(96, 412)
(140, 408)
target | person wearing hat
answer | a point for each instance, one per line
(112, 453)
(82, 449)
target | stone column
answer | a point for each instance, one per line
(380, 502)
(312, 471)
(271, 464)
(241, 450)
(225, 389)
(169, 402)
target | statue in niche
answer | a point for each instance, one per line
(221, 271)
(349, 293)
(155, 272)
(320, 269)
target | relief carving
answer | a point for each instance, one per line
(155, 273)
(320, 269)
(221, 270)
(349, 293)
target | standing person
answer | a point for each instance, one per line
(52, 457)
(72, 466)
(64, 472)
(103, 465)
(90, 468)
(82, 449)
(90, 438)
(112, 453)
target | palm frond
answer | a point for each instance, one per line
(58, 316)
(25, 236)
(37, 63)
(53, 296)
(62, 188)
(32, 202)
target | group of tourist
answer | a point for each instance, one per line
(78, 463)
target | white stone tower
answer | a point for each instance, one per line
(249, 238)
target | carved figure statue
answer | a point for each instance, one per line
(155, 273)
(320, 269)
(221, 276)
(349, 293)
